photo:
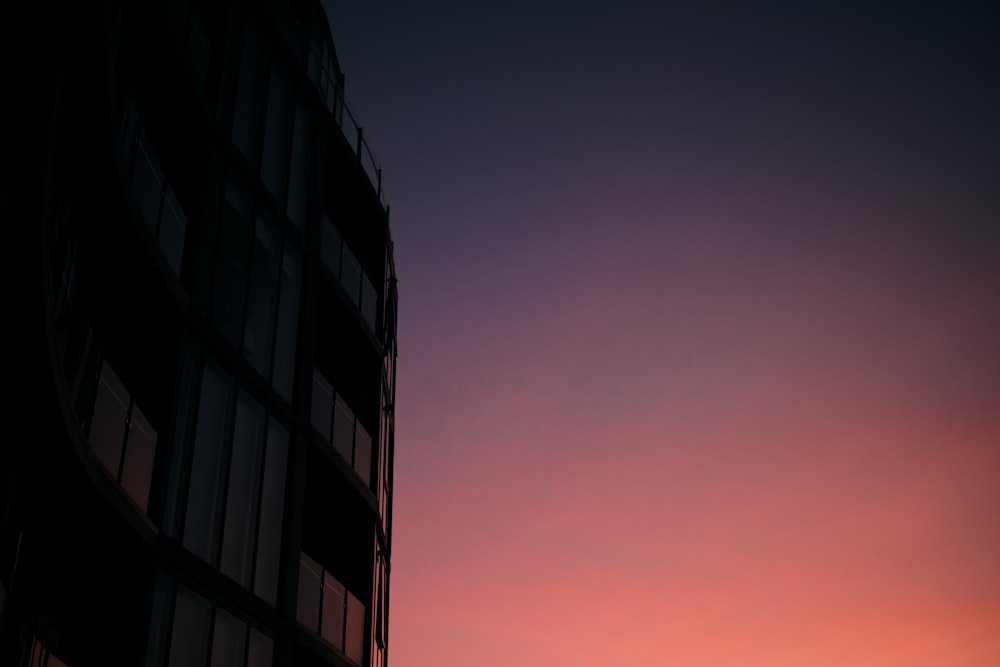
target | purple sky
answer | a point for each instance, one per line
(699, 323)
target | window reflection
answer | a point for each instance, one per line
(326, 607)
(354, 630)
(202, 634)
(277, 127)
(210, 440)
(272, 508)
(249, 469)
(249, 93)
(261, 649)
(140, 450)
(121, 437)
(231, 263)
(189, 633)
(256, 288)
(343, 429)
(241, 500)
(321, 414)
(332, 627)
(298, 173)
(261, 296)
(109, 420)
(285, 337)
(158, 205)
(228, 640)
(310, 592)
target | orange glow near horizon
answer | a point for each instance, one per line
(796, 468)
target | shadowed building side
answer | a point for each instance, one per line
(200, 331)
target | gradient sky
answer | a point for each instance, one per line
(699, 330)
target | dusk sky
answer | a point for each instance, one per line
(699, 329)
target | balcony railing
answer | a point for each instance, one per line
(322, 74)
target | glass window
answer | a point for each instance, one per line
(249, 94)
(259, 327)
(173, 228)
(189, 635)
(210, 444)
(198, 46)
(277, 126)
(228, 640)
(310, 591)
(232, 260)
(272, 508)
(283, 373)
(241, 501)
(298, 176)
(160, 609)
(363, 454)
(137, 468)
(332, 629)
(322, 404)
(186, 395)
(129, 128)
(354, 634)
(330, 247)
(261, 649)
(107, 426)
(350, 275)
(369, 301)
(147, 183)
(343, 429)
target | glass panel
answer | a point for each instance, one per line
(198, 45)
(173, 227)
(310, 587)
(259, 328)
(228, 640)
(350, 275)
(272, 509)
(333, 611)
(137, 469)
(232, 258)
(189, 634)
(186, 394)
(363, 454)
(314, 56)
(277, 126)
(369, 301)
(201, 522)
(354, 636)
(249, 92)
(107, 427)
(322, 404)
(130, 123)
(343, 429)
(283, 373)
(298, 176)
(159, 621)
(147, 183)
(330, 247)
(261, 649)
(241, 502)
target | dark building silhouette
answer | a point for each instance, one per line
(198, 339)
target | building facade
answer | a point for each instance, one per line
(199, 340)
